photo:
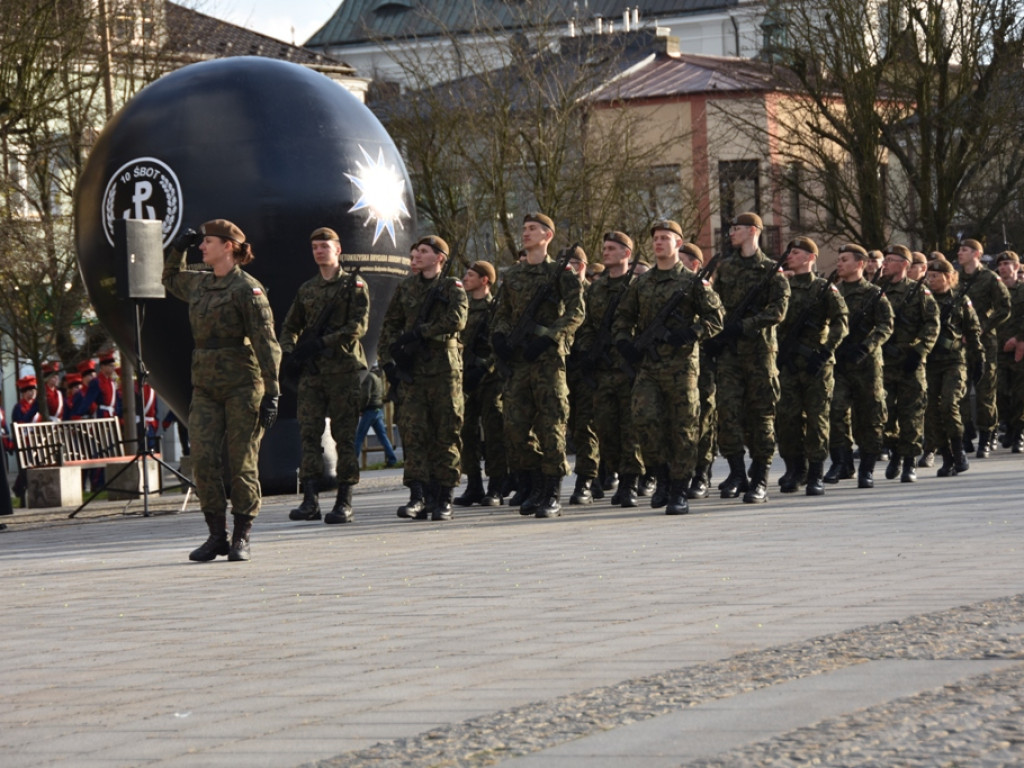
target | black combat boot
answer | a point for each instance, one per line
(699, 484)
(474, 492)
(240, 538)
(532, 504)
(927, 460)
(646, 484)
(309, 509)
(217, 543)
(815, 473)
(417, 501)
(431, 493)
(893, 467)
(610, 481)
(983, 444)
(442, 506)
(627, 491)
(617, 496)
(1018, 441)
(866, 471)
(795, 476)
(968, 437)
(342, 510)
(660, 496)
(948, 468)
(909, 474)
(493, 497)
(757, 492)
(677, 503)
(524, 487)
(550, 504)
(959, 455)
(581, 493)
(736, 482)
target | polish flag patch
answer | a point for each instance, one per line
(257, 291)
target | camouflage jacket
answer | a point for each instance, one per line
(476, 338)
(915, 319)
(959, 330)
(440, 331)
(870, 315)
(735, 278)
(1014, 327)
(989, 296)
(346, 323)
(602, 292)
(827, 319)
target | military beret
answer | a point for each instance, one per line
(576, 252)
(484, 269)
(876, 254)
(26, 382)
(748, 219)
(107, 358)
(595, 269)
(940, 265)
(936, 255)
(693, 251)
(919, 258)
(540, 218)
(224, 229)
(1008, 256)
(899, 250)
(619, 237)
(857, 250)
(972, 244)
(804, 244)
(669, 225)
(435, 242)
(86, 366)
(324, 233)
(51, 368)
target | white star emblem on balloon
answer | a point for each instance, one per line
(381, 194)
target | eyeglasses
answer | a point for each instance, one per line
(738, 227)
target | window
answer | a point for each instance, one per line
(739, 188)
(661, 193)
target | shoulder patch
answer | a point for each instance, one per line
(458, 282)
(257, 291)
(834, 287)
(706, 282)
(360, 283)
(927, 291)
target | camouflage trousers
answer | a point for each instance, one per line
(666, 415)
(336, 397)
(905, 402)
(707, 443)
(1010, 388)
(430, 426)
(226, 418)
(613, 422)
(536, 404)
(858, 408)
(802, 422)
(748, 392)
(581, 425)
(483, 431)
(946, 386)
(986, 415)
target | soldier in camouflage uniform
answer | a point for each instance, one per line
(663, 348)
(991, 302)
(915, 328)
(747, 378)
(1011, 354)
(608, 383)
(707, 444)
(234, 378)
(581, 406)
(537, 396)
(959, 332)
(858, 402)
(320, 339)
(815, 323)
(419, 353)
(481, 386)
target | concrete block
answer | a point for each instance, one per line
(54, 487)
(130, 483)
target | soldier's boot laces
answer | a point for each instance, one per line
(309, 508)
(757, 492)
(342, 511)
(866, 471)
(581, 493)
(217, 543)
(493, 497)
(240, 539)
(628, 491)
(736, 482)
(909, 474)
(677, 502)
(815, 476)
(474, 492)
(416, 502)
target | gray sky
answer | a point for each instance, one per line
(288, 20)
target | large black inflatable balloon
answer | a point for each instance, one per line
(276, 148)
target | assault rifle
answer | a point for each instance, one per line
(470, 352)
(790, 346)
(410, 344)
(859, 329)
(527, 322)
(716, 344)
(897, 320)
(598, 351)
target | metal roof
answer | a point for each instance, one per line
(368, 20)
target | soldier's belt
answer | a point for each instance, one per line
(221, 342)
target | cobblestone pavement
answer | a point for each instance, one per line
(870, 627)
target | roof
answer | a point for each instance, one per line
(195, 34)
(368, 20)
(675, 74)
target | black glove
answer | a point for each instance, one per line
(268, 410)
(911, 362)
(499, 341)
(682, 338)
(186, 240)
(732, 331)
(391, 373)
(977, 371)
(817, 359)
(629, 352)
(536, 346)
(413, 334)
(307, 350)
(290, 367)
(472, 377)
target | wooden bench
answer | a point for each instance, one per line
(54, 453)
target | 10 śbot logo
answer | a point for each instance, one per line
(143, 188)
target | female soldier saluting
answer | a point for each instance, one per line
(234, 378)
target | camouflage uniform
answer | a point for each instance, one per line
(666, 411)
(915, 329)
(234, 363)
(991, 303)
(482, 387)
(858, 402)
(815, 324)
(747, 377)
(329, 384)
(536, 395)
(431, 413)
(581, 405)
(1010, 373)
